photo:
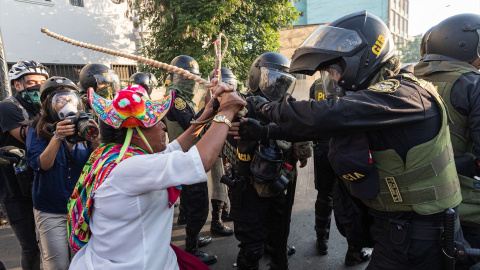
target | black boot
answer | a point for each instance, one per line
(248, 260)
(355, 255)
(217, 224)
(191, 246)
(322, 241)
(290, 250)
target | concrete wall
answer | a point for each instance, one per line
(326, 11)
(99, 22)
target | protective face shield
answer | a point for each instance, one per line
(330, 77)
(334, 39)
(108, 84)
(183, 83)
(275, 83)
(66, 104)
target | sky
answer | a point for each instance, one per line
(426, 13)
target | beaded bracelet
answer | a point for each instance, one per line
(58, 137)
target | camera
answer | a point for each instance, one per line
(84, 129)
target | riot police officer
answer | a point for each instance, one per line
(219, 195)
(146, 79)
(406, 174)
(261, 171)
(451, 63)
(104, 80)
(194, 198)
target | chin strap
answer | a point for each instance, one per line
(128, 140)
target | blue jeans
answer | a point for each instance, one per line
(20, 216)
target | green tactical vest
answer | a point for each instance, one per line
(443, 74)
(427, 182)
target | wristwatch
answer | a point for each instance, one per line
(220, 118)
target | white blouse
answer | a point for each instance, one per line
(131, 222)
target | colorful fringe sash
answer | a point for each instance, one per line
(96, 170)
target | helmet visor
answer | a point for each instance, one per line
(335, 39)
(183, 83)
(66, 104)
(330, 77)
(275, 83)
(108, 84)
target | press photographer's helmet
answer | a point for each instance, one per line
(61, 97)
(146, 79)
(455, 38)
(227, 76)
(359, 43)
(23, 68)
(188, 63)
(95, 75)
(270, 74)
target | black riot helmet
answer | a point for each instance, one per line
(100, 77)
(270, 74)
(146, 79)
(455, 38)
(359, 43)
(423, 43)
(227, 76)
(179, 81)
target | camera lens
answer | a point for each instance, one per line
(87, 129)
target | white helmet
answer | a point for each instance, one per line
(23, 68)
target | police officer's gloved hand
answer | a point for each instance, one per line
(252, 130)
(11, 155)
(258, 102)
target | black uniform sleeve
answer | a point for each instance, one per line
(465, 98)
(10, 116)
(361, 111)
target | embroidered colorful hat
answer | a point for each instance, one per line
(130, 108)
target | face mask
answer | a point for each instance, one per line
(32, 95)
(67, 110)
(105, 92)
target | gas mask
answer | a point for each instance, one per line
(64, 104)
(108, 84)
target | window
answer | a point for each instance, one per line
(77, 3)
(38, 2)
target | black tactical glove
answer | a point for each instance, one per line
(251, 130)
(258, 102)
(11, 155)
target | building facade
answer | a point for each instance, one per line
(98, 22)
(393, 12)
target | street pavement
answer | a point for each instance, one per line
(302, 236)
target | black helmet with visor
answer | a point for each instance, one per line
(104, 80)
(355, 46)
(270, 74)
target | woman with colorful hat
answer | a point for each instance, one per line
(120, 213)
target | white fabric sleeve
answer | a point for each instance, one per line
(144, 173)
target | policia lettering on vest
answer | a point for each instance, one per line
(402, 121)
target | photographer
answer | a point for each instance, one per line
(57, 151)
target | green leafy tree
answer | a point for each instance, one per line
(411, 51)
(189, 27)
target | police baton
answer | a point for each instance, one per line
(454, 250)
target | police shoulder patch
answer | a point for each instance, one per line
(386, 86)
(180, 104)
